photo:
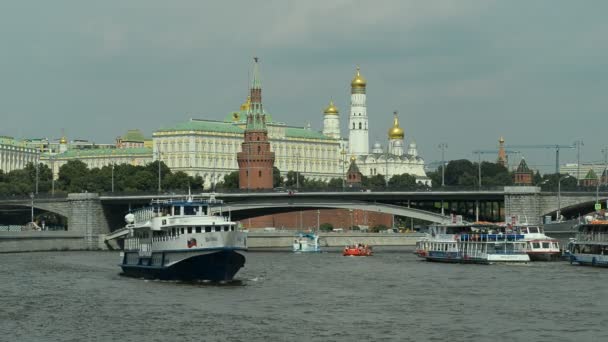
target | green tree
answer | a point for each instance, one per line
(73, 176)
(292, 181)
(335, 183)
(379, 227)
(231, 181)
(460, 172)
(402, 181)
(315, 184)
(326, 227)
(374, 182)
(277, 180)
(177, 181)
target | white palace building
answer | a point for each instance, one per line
(208, 148)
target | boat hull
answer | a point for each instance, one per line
(596, 260)
(457, 258)
(220, 265)
(545, 256)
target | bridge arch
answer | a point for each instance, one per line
(250, 208)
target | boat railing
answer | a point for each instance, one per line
(595, 237)
(165, 238)
(489, 237)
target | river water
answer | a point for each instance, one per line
(392, 296)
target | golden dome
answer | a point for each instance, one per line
(501, 140)
(331, 109)
(245, 106)
(352, 159)
(395, 132)
(358, 81)
(63, 140)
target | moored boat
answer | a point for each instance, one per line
(306, 243)
(590, 246)
(480, 243)
(358, 250)
(539, 246)
(182, 240)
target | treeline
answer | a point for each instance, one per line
(465, 173)
(295, 180)
(74, 176)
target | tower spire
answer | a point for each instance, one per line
(256, 119)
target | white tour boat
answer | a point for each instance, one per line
(539, 246)
(479, 243)
(306, 242)
(184, 240)
(590, 246)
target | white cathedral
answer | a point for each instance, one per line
(393, 160)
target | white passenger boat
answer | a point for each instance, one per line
(539, 246)
(183, 239)
(590, 246)
(306, 242)
(478, 243)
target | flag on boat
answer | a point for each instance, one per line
(191, 243)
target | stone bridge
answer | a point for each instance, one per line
(256, 207)
(94, 215)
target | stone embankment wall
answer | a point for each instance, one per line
(41, 241)
(285, 239)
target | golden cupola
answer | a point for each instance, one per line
(395, 132)
(358, 81)
(63, 140)
(331, 109)
(245, 106)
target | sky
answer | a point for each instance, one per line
(458, 72)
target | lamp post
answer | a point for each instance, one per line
(297, 170)
(112, 177)
(352, 223)
(32, 207)
(318, 219)
(343, 153)
(603, 175)
(52, 175)
(559, 195)
(159, 173)
(37, 176)
(578, 145)
(443, 147)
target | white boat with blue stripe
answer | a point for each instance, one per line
(187, 239)
(479, 243)
(590, 246)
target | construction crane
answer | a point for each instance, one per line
(480, 152)
(557, 147)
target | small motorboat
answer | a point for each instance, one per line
(357, 250)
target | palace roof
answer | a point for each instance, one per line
(102, 152)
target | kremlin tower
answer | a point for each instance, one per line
(502, 154)
(256, 161)
(358, 139)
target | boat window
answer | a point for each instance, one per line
(533, 229)
(207, 229)
(189, 230)
(189, 211)
(218, 228)
(535, 245)
(232, 228)
(545, 245)
(555, 245)
(226, 228)
(182, 230)
(198, 229)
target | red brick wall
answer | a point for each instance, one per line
(306, 219)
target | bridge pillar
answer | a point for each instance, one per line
(523, 202)
(86, 216)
